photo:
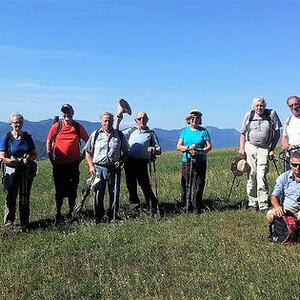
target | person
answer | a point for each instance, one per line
(291, 130)
(286, 193)
(106, 151)
(144, 147)
(63, 148)
(260, 133)
(17, 152)
(194, 143)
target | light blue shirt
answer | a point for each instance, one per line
(139, 141)
(287, 189)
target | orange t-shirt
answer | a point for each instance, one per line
(66, 147)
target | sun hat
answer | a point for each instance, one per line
(239, 165)
(195, 112)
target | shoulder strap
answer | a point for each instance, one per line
(9, 140)
(288, 121)
(58, 129)
(131, 131)
(95, 137)
(252, 113)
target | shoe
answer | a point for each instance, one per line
(252, 208)
(24, 228)
(59, 219)
(196, 212)
(264, 210)
(8, 223)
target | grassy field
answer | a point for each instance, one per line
(221, 254)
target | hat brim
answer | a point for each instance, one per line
(125, 105)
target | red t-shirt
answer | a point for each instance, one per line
(67, 147)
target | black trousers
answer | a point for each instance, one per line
(197, 183)
(66, 180)
(21, 185)
(136, 171)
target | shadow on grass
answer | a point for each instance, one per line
(125, 212)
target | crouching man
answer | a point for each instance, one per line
(286, 194)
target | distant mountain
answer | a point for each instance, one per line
(221, 138)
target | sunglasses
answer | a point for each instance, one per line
(294, 105)
(15, 123)
(140, 119)
(295, 165)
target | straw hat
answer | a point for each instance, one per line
(239, 165)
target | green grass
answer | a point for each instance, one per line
(217, 255)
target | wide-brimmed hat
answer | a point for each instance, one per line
(239, 165)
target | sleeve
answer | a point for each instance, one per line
(89, 147)
(83, 133)
(52, 131)
(245, 123)
(3, 143)
(125, 146)
(276, 121)
(156, 142)
(127, 131)
(279, 186)
(182, 134)
(206, 136)
(285, 127)
(31, 143)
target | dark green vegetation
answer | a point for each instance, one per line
(217, 255)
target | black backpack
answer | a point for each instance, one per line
(285, 229)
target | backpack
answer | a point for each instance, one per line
(265, 117)
(284, 229)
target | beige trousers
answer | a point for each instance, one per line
(257, 185)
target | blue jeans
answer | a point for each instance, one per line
(112, 177)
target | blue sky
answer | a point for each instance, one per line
(165, 57)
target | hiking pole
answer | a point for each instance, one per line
(85, 193)
(283, 155)
(275, 165)
(230, 191)
(116, 192)
(186, 183)
(150, 177)
(189, 168)
(155, 187)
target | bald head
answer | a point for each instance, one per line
(141, 120)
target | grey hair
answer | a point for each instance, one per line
(295, 154)
(106, 114)
(16, 115)
(292, 97)
(259, 99)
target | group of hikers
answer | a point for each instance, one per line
(107, 150)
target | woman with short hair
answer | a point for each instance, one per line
(17, 151)
(194, 143)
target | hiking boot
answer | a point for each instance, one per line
(252, 208)
(196, 212)
(264, 210)
(59, 219)
(24, 228)
(8, 223)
